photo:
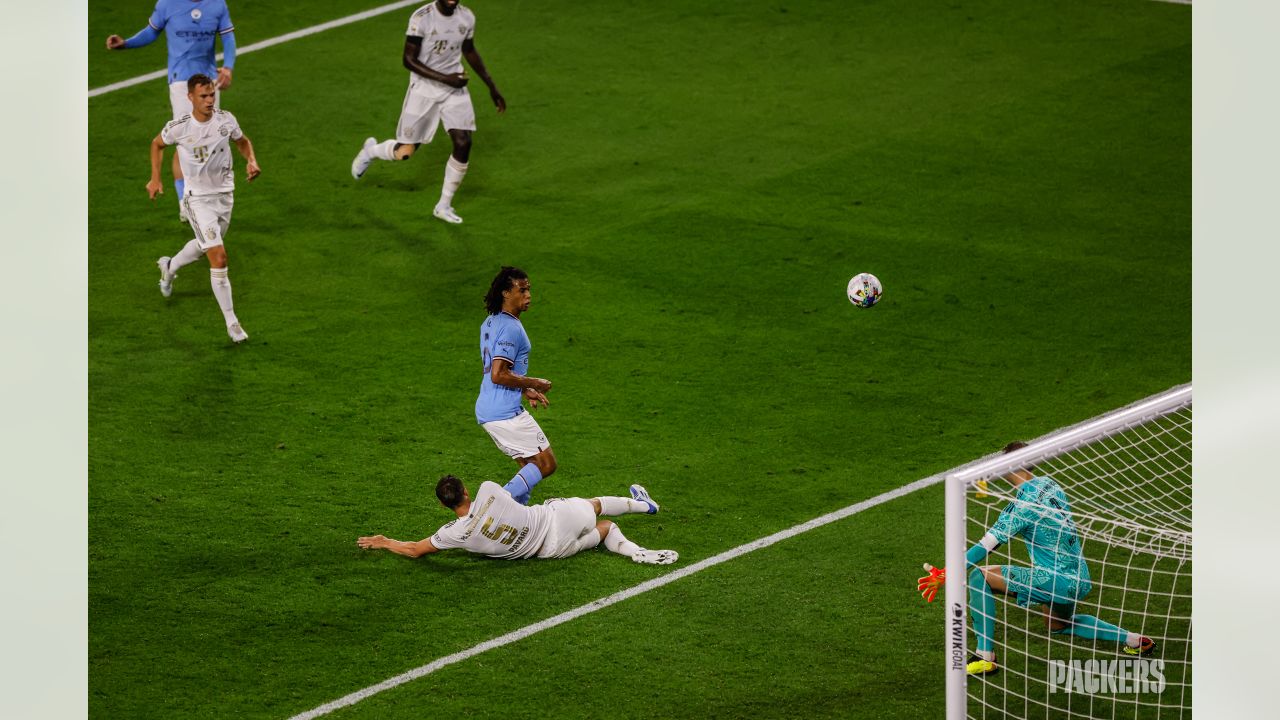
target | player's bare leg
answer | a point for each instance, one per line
(454, 170)
(222, 292)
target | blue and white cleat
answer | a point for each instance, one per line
(639, 493)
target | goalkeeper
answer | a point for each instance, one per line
(1058, 577)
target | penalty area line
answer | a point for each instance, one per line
(279, 39)
(524, 632)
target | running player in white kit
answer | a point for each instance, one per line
(494, 524)
(439, 36)
(204, 141)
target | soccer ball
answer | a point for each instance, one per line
(864, 290)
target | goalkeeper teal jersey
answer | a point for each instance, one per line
(1041, 516)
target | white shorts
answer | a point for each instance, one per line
(427, 104)
(572, 529)
(518, 437)
(209, 216)
(181, 104)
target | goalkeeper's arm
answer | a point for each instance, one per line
(980, 550)
(929, 584)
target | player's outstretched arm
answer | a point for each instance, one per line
(412, 48)
(251, 169)
(399, 547)
(154, 186)
(473, 59)
(145, 36)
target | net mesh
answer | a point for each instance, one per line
(1130, 500)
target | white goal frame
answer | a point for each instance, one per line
(957, 485)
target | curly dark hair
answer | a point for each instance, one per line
(450, 491)
(502, 281)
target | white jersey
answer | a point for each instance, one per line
(442, 37)
(497, 526)
(204, 149)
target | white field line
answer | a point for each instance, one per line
(618, 597)
(312, 31)
(267, 43)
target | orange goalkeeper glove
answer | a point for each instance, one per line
(929, 584)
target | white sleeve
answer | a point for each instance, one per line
(443, 539)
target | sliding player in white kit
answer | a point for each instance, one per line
(439, 35)
(204, 148)
(494, 524)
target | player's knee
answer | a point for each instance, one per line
(546, 463)
(461, 145)
(217, 256)
(404, 151)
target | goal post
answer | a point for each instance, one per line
(1127, 478)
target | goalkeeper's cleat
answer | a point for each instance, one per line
(1146, 646)
(978, 666)
(166, 277)
(981, 487)
(363, 158)
(639, 493)
(655, 557)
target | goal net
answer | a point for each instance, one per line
(1126, 477)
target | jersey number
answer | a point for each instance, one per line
(498, 532)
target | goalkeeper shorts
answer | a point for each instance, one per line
(1037, 586)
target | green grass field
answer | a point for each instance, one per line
(689, 187)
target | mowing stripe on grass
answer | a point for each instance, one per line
(268, 43)
(95, 92)
(618, 597)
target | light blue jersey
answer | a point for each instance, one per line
(501, 336)
(191, 28)
(1041, 516)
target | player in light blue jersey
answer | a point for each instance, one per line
(504, 350)
(191, 28)
(1058, 578)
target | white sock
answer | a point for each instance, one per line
(454, 171)
(614, 506)
(222, 292)
(988, 655)
(615, 542)
(1133, 640)
(385, 150)
(189, 253)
